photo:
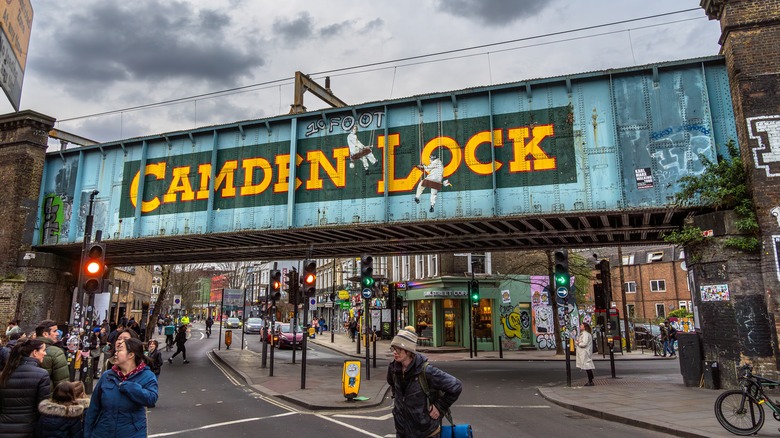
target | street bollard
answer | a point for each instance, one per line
(373, 363)
(611, 344)
(228, 338)
(500, 349)
(357, 336)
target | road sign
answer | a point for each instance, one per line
(343, 294)
(177, 301)
(563, 292)
(313, 302)
(344, 305)
(367, 293)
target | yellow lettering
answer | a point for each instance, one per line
(180, 183)
(226, 176)
(249, 172)
(445, 142)
(283, 165)
(338, 174)
(471, 152)
(158, 171)
(396, 184)
(541, 161)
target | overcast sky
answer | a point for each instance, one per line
(94, 56)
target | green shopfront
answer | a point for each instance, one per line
(440, 310)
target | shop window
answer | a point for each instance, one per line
(483, 326)
(424, 318)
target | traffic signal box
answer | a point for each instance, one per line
(309, 278)
(292, 287)
(367, 271)
(602, 292)
(94, 268)
(276, 284)
(561, 274)
(474, 292)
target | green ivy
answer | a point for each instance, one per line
(722, 186)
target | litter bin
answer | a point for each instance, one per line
(691, 358)
(711, 374)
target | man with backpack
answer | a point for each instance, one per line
(423, 393)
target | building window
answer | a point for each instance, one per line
(631, 310)
(682, 305)
(658, 285)
(406, 268)
(660, 312)
(630, 287)
(483, 321)
(433, 265)
(628, 259)
(477, 263)
(419, 262)
(655, 257)
(397, 269)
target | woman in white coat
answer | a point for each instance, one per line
(585, 351)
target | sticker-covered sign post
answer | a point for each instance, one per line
(350, 379)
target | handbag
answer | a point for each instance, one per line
(453, 430)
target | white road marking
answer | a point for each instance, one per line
(226, 423)
(365, 417)
(505, 406)
(349, 426)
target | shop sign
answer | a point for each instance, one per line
(343, 294)
(446, 294)
(344, 305)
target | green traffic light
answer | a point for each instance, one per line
(368, 281)
(474, 297)
(561, 279)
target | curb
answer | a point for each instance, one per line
(376, 401)
(617, 418)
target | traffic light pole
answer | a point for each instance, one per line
(368, 338)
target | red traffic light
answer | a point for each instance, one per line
(93, 268)
(309, 279)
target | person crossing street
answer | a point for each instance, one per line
(181, 339)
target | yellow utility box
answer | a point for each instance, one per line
(350, 379)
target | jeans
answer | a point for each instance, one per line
(669, 346)
(159, 329)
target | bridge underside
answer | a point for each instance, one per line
(571, 230)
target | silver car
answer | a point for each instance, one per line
(253, 325)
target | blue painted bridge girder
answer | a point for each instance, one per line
(580, 160)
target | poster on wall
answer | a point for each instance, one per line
(644, 178)
(543, 319)
(715, 292)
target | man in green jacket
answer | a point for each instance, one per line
(55, 362)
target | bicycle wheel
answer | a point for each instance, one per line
(745, 421)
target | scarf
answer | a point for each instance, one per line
(123, 376)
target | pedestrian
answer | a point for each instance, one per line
(209, 323)
(585, 351)
(315, 323)
(13, 327)
(55, 363)
(181, 339)
(154, 357)
(321, 323)
(185, 320)
(62, 415)
(114, 333)
(666, 339)
(422, 393)
(160, 325)
(120, 398)
(352, 329)
(23, 384)
(5, 352)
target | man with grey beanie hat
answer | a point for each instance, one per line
(418, 414)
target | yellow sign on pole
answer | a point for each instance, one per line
(350, 379)
(343, 294)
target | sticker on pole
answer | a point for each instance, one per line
(563, 292)
(367, 293)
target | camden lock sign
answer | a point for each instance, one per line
(523, 149)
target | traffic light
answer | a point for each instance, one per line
(276, 284)
(367, 271)
(332, 296)
(604, 298)
(309, 277)
(292, 287)
(561, 270)
(94, 268)
(474, 292)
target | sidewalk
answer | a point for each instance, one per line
(658, 402)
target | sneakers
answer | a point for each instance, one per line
(417, 200)
(431, 209)
(186, 361)
(588, 384)
(170, 361)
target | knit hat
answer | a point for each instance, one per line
(406, 339)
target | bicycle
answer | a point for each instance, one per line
(739, 410)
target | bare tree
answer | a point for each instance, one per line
(176, 280)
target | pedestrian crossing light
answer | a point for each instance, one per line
(474, 292)
(309, 278)
(367, 271)
(276, 284)
(94, 268)
(561, 271)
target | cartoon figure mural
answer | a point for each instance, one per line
(434, 180)
(516, 323)
(542, 314)
(359, 151)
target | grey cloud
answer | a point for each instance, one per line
(143, 40)
(493, 12)
(373, 25)
(335, 29)
(295, 30)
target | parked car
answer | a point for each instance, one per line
(283, 336)
(232, 323)
(253, 325)
(644, 334)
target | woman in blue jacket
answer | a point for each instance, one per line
(119, 401)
